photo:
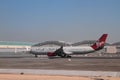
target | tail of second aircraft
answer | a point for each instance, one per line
(99, 44)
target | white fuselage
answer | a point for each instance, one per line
(67, 50)
(77, 50)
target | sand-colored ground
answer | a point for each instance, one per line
(48, 77)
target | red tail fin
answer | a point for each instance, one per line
(100, 42)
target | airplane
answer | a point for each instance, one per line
(67, 51)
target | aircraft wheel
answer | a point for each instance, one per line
(36, 56)
(68, 56)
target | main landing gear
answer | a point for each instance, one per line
(65, 56)
(36, 55)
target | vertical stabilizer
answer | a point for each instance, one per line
(99, 44)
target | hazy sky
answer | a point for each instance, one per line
(65, 20)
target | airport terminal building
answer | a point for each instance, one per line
(10, 46)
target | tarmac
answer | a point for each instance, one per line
(80, 66)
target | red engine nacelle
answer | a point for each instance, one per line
(51, 54)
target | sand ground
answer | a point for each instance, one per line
(49, 77)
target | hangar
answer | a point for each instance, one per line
(52, 44)
(116, 46)
(63, 43)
